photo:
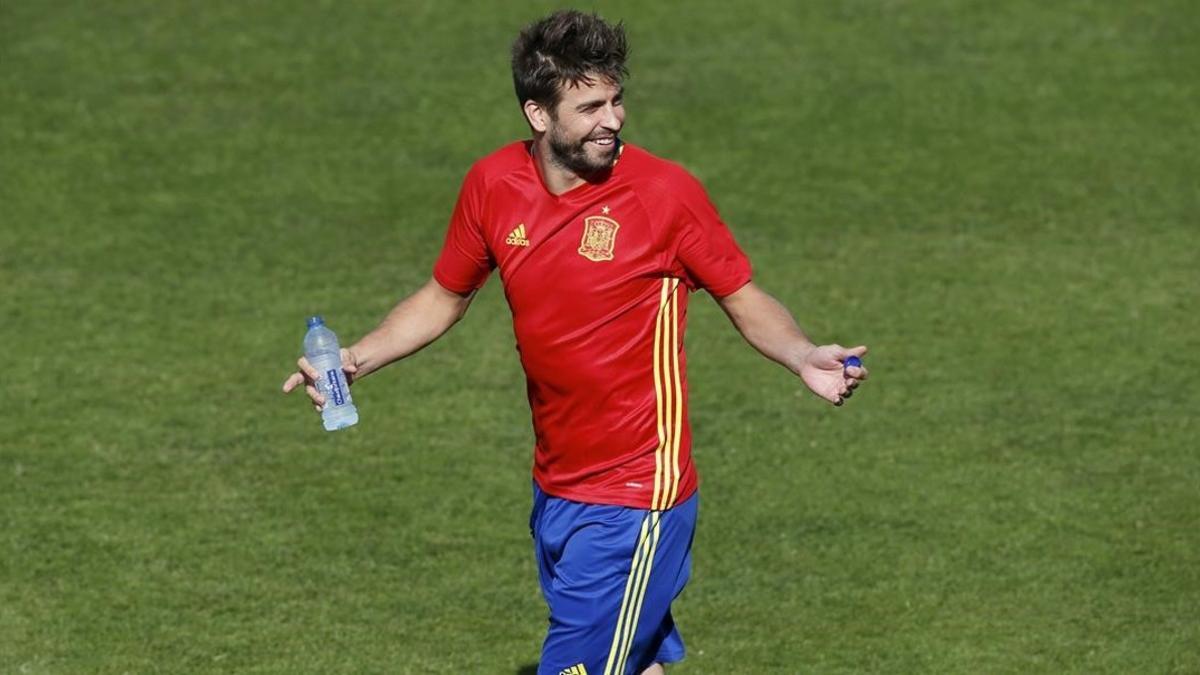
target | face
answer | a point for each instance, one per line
(582, 132)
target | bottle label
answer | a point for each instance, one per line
(334, 378)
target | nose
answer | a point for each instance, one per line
(614, 117)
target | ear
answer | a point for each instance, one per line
(537, 116)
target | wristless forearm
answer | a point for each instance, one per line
(769, 327)
(412, 324)
(785, 344)
(390, 342)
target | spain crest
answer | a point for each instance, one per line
(599, 238)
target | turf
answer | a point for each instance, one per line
(1000, 199)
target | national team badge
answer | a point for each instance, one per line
(599, 238)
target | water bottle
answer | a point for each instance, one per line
(322, 351)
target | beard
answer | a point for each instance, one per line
(574, 155)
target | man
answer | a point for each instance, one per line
(597, 243)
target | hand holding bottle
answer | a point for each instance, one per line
(326, 370)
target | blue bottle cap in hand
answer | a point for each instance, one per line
(852, 361)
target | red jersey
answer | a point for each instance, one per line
(598, 280)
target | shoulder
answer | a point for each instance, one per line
(498, 164)
(659, 179)
(656, 174)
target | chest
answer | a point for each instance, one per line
(591, 246)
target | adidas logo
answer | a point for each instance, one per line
(517, 237)
(574, 670)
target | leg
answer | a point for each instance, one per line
(609, 575)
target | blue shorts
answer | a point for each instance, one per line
(609, 574)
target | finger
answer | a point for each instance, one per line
(306, 368)
(859, 351)
(832, 394)
(294, 380)
(349, 361)
(858, 373)
(315, 395)
(838, 403)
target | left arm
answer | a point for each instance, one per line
(769, 327)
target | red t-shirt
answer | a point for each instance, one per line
(597, 280)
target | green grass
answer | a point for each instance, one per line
(1001, 199)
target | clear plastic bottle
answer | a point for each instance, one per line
(322, 351)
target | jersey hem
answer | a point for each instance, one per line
(591, 500)
(460, 289)
(732, 288)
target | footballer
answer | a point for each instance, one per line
(599, 245)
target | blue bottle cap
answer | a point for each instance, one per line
(315, 321)
(852, 361)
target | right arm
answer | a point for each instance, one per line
(413, 323)
(424, 316)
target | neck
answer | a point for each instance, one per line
(558, 178)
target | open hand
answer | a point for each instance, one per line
(308, 376)
(824, 371)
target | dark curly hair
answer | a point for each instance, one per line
(567, 47)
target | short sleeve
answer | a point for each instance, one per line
(704, 246)
(465, 263)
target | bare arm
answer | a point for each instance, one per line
(769, 327)
(413, 323)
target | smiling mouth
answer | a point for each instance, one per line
(604, 142)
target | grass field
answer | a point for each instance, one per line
(1001, 198)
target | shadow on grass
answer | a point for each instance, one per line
(530, 669)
